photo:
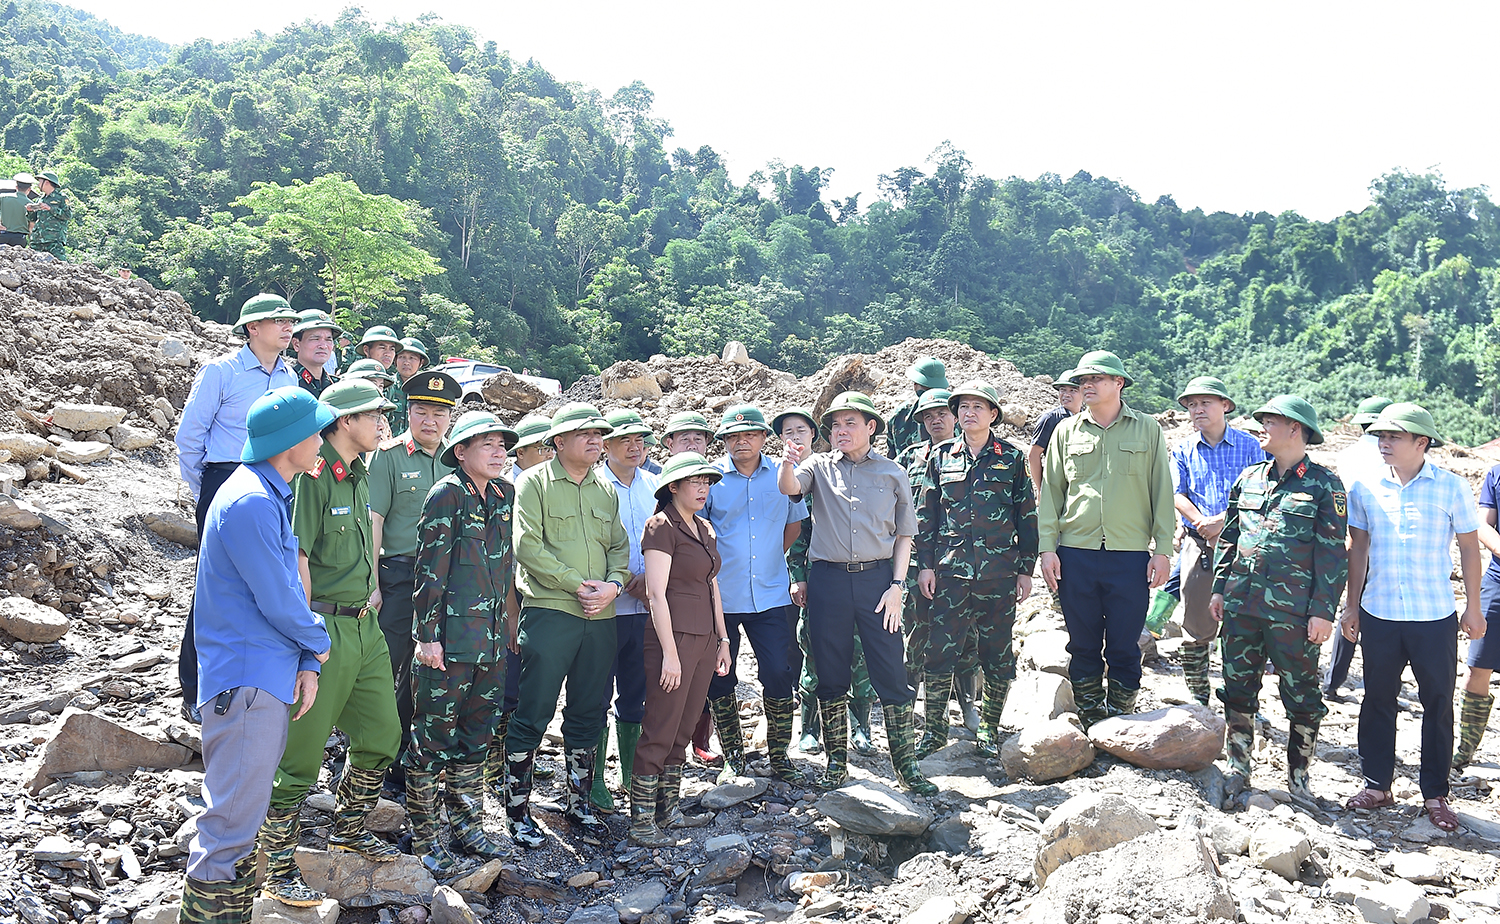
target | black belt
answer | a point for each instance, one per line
(854, 567)
(400, 559)
(222, 465)
(358, 612)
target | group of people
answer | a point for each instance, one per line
(34, 213)
(431, 586)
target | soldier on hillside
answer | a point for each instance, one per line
(50, 215)
(313, 340)
(13, 214)
(925, 373)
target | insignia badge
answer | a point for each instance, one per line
(742, 417)
(339, 472)
(435, 384)
(1340, 503)
(338, 511)
(411, 474)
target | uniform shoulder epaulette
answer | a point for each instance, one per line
(317, 470)
(391, 443)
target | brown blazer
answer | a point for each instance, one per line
(694, 563)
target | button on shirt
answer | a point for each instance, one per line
(858, 508)
(401, 474)
(212, 428)
(1411, 529)
(1204, 474)
(750, 516)
(252, 624)
(637, 505)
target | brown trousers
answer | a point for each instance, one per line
(671, 717)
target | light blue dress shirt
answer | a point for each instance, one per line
(212, 428)
(750, 515)
(637, 505)
(1204, 474)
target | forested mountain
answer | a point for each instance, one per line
(420, 175)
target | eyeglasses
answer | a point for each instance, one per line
(700, 480)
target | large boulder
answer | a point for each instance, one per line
(1047, 750)
(1166, 877)
(84, 417)
(1175, 738)
(32, 622)
(1037, 696)
(868, 807)
(91, 742)
(1046, 651)
(510, 391)
(25, 447)
(359, 883)
(628, 380)
(82, 452)
(1088, 824)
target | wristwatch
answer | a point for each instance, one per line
(620, 588)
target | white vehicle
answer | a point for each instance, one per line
(470, 374)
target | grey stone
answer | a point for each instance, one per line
(25, 447)
(156, 914)
(873, 808)
(961, 769)
(639, 901)
(1395, 902)
(940, 909)
(1175, 738)
(594, 914)
(1163, 875)
(87, 416)
(1037, 696)
(85, 741)
(735, 352)
(173, 527)
(127, 438)
(724, 866)
(1047, 750)
(480, 879)
(1279, 849)
(627, 380)
(950, 836)
(823, 905)
(1046, 651)
(82, 452)
(27, 621)
(448, 907)
(351, 879)
(1419, 867)
(171, 348)
(733, 792)
(387, 817)
(1088, 824)
(17, 514)
(54, 848)
(270, 911)
(725, 842)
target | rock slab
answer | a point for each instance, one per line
(1279, 849)
(173, 528)
(733, 792)
(1088, 824)
(84, 417)
(82, 452)
(448, 907)
(872, 808)
(1175, 738)
(27, 621)
(271, 911)
(1037, 696)
(360, 883)
(1047, 750)
(640, 901)
(1164, 875)
(91, 742)
(1396, 902)
(724, 866)
(940, 909)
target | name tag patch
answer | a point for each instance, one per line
(338, 511)
(411, 474)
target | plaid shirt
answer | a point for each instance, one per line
(1204, 474)
(1411, 531)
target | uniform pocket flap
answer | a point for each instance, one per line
(1133, 446)
(1297, 507)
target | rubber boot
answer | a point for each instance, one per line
(966, 689)
(1120, 700)
(1088, 696)
(702, 746)
(901, 738)
(1239, 740)
(726, 710)
(835, 715)
(779, 739)
(355, 798)
(990, 710)
(1473, 716)
(220, 902)
(494, 760)
(1163, 605)
(669, 812)
(580, 812)
(279, 834)
(426, 826)
(627, 736)
(1301, 741)
(465, 800)
(523, 828)
(599, 793)
(809, 743)
(859, 726)
(1195, 670)
(643, 829)
(935, 724)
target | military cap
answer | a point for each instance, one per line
(1369, 410)
(355, 396)
(51, 177)
(1407, 417)
(687, 421)
(263, 307)
(471, 425)
(1207, 385)
(1294, 408)
(576, 416)
(742, 418)
(975, 389)
(854, 401)
(1069, 378)
(432, 387)
(379, 334)
(1101, 362)
(30, 180)
(804, 412)
(532, 429)
(929, 399)
(928, 372)
(413, 345)
(369, 369)
(684, 465)
(313, 319)
(7, 185)
(627, 423)
(282, 418)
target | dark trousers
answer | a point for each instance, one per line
(839, 602)
(628, 674)
(558, 647)
(214, 476)
(1104, 595)
(13, 238)
(512, 681)
(1431, 649)
(772, 636)
(397, 582)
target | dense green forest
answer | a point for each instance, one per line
(415, 173)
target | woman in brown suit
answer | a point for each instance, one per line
(685, 644)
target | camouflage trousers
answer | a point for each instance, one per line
(919, 631)
(457, 711)
(979, 613)
(1250, 638)
(58, 249)
(860, 688)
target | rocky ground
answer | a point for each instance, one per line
(100, 778)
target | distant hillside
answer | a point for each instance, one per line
(38, 34)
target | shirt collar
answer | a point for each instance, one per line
(272, 478)
(1389, 474)
(333, 462)
(674, 516)
(555, 466)
(725, 465)
(614, 479)
(1125, 411)
(247, 360)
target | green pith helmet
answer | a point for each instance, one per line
(472, 424)
(683, 465)
(687, 421)
(263, 307)
(854, 401)
(929, 399)
(1207, 385)
(354, 396)
(1294, 408)
(369, 369)
(576, 416)
(379, 334)
(1101, 362)
(804, 412)
(433, 387)
(313, 319)
(413, 345)
(1369, 410)
(928, 372)
(627, 423)
(742, 418)
(1411, 418)
(975, 389)
(532, 430)
(51, 177)
(280, 419)
(1069, 379)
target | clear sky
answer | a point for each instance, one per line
(1236, 106)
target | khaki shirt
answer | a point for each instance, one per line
(1107, 488)
(858, 508)
(567, 533)
(401, 474)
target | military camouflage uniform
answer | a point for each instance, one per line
(49, 232)
(977, 529)
(919, 622)
(396, 417)
(903, 429)
(1281, 561)
(315, 383)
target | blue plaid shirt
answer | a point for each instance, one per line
(1411, 529)
(1204, 474)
